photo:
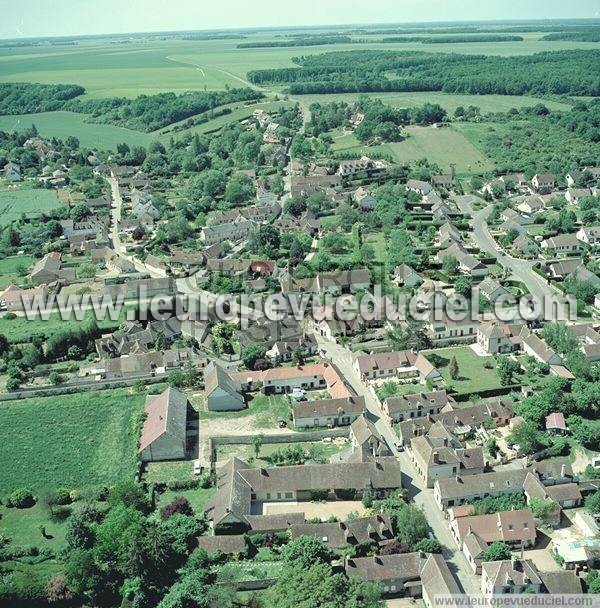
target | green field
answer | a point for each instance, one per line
(25, 201)
(473, 376)
(11, 267)
(107, 67)
(444, 146)
(63, 124)
(21, 329)
(71, 441)
(487, 103)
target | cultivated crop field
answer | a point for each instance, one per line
(109, 68)
(71, 441)
(14, 203)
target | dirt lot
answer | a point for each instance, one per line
(339, 508)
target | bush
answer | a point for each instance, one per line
(21, 498)
(59, 497)
(317, 495)
(180, 505)
(183, 484)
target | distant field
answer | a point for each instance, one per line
(63, 124)
(71, 441)
(443, 146)
(31, 202)
(487, 103)
(106, 68)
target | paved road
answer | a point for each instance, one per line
(115, 237)
(416, 492)
(521, 270)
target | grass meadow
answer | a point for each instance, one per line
(30, 202)
(444, 146)
(72, 441)
(63, 124)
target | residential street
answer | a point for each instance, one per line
(422, 497)
(119, 248)
(521, 270)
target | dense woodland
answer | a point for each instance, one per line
(453, 39)
(586, 36)
(562, 72)
(28, 98)
(300, 41)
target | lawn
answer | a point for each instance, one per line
(197, 497)
(71, 441)
(378, 242)
(266, 409)
(22, 526)
(444, 146)
(163, 472)
(13, 270)
(25, 201)
(319, 450)
(63, 124)
(473, 375)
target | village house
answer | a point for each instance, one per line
(543, 181)
(529, 205)
(562, 244)
(164, 430)
(241, 488)
(49, 270)
(510, 215)
(283, 351)
(577, 177)
(327, 413)
(448, 331)
(461, 422)
(334, 283)
(416, 405)
(12, 299)
(398, 574)
(512, 576)
(338, 535)
(562, 269)
(516, 528)
(491, 289)
(439, 454)
(362, 166)
(403, 364)
(443, 181)
(12, 172)
(406, 276)
(418, 186)
(307, 185)
(222, 392)
(448, 234)
(363, 198)
(498, 339)
(590, 235)
(574, 195)
(452, 491)
(238, 230)
(525, 246)
(366, 441)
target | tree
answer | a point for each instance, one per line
(450, 265)
(21, 498)
(462, 286)
(306, 551)
(429, 545)
(257, 441)
(507, 368)
(182, 531)
(251, 353)
(497, 551)
(128, 494)
(593, 581)
(592, 503)
(180, 505)
(528, 437)
(541, 507)
(411, 525)
(453, 369)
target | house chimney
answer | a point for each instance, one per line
(436, 458)
(563, 470)
(264, 472)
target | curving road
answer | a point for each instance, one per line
(519, 269)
